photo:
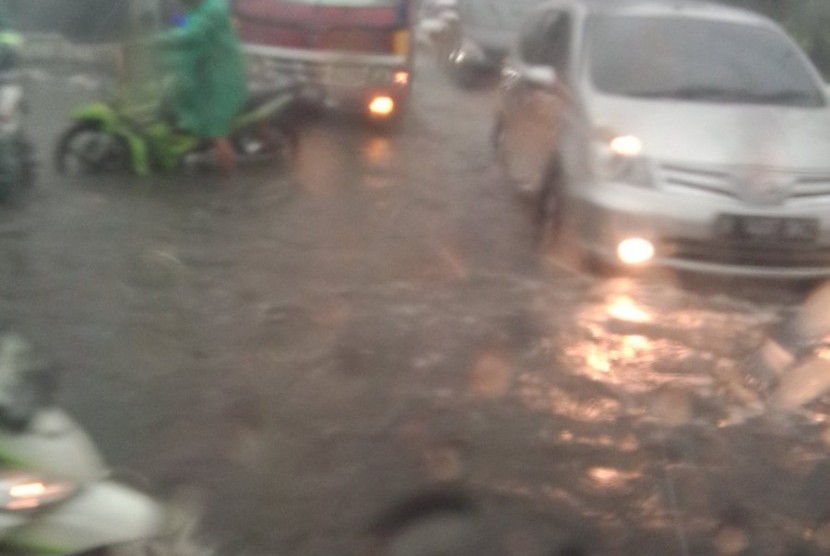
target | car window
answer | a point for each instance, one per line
(537, 39)
(556, 43)
(498, 14)
(698, 60)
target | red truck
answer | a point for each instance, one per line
(357, 53)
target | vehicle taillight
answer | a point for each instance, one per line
(401, 78)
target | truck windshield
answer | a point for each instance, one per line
(346, 3)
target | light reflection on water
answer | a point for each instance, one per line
(378, 152)
(608, 477)
(637, 340)
(327, 165)
(624, 308)
(538, 396)
(643, 379)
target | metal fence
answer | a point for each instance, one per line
(54, 50)
(86, 21)
(69, 33)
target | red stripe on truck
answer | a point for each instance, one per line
(291, 13)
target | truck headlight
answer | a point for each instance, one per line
(381, 106)
(635, 251)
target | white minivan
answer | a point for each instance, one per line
(684, 135)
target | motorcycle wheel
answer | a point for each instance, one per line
(85, 149)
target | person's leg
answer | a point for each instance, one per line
(225, 154)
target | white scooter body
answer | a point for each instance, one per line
(95, 513)
(104, 514)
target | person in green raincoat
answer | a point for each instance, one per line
(211, 81)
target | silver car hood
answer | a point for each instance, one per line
(720, 134)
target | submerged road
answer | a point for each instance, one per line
(303, 347)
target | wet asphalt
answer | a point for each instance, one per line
(299, 348)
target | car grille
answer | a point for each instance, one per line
(738, 182)
(815, 185)
(698, 178)
(747, 253)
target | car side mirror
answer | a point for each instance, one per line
(540, 76)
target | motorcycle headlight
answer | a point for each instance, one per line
(27, 491)
(621, 158)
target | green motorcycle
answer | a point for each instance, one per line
(132, 133)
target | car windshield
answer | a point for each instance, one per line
(698, 60)
(499, 14)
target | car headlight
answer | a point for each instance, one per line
(621, 158)
(21, 490)
(635, 251)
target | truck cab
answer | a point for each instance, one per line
(356, 53)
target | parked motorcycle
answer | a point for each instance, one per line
(56, 496)
(16, 152)
(134, 133)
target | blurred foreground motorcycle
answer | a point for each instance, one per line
(134, 132)
(16, 152)
(56, 496)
